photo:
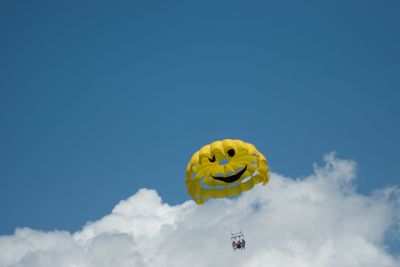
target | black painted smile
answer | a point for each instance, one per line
(232, 178)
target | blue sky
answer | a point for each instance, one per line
(98, 100)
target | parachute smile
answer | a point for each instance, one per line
(231, 178)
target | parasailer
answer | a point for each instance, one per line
(225, 168)
(238, 241)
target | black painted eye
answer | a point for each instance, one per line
(231, 152)
(212, 159)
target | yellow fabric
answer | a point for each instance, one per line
(213, 160)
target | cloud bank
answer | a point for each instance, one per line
(318, 221)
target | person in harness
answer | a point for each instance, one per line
(239, 244)
(234, 244)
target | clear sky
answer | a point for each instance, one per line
(100, 99)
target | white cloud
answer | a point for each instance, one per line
(318, 221)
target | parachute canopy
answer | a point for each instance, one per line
(225, 168)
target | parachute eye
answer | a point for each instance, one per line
(212, 159)
(231, 152)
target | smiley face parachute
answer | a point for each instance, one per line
(225, 168)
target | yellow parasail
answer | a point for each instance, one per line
(225, 168)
